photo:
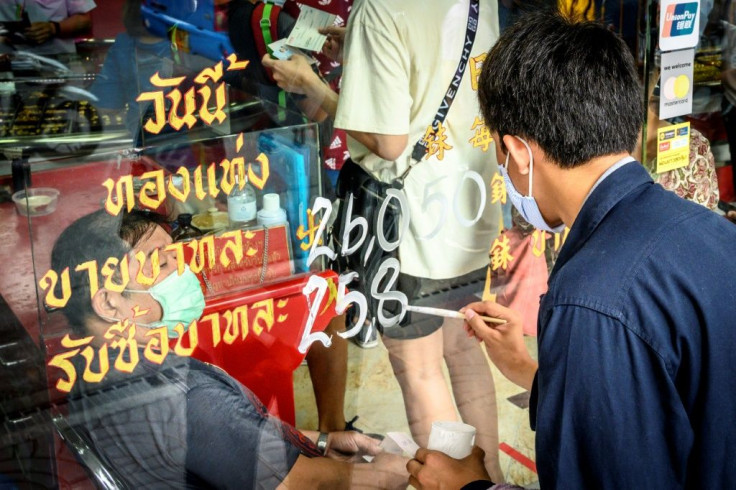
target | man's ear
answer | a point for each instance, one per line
(519, 153)
(105, 303)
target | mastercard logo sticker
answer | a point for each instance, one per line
(676, 87)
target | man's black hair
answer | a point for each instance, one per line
(570, 86)
(96, 236)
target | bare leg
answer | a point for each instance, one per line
(417, 365)
(328, 369)
(474, 390)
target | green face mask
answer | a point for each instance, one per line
(181, 300)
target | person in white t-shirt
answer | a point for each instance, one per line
(396, 72)
(53, 23)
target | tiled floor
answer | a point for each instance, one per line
(374, 394)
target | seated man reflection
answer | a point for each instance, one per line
(126, 72)
(179, 422)
(48, 27)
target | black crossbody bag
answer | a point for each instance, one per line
(369, 195)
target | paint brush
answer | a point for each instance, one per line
(450, 313)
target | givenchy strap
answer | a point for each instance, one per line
(420, 148)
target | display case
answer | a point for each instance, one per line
(162, 130)
(232, 180)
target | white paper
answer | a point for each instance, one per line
(305, 34)
(281, 51)
(405, 442)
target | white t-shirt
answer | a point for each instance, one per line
(400, 60)
(44, 11)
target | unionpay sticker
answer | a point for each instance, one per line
(679, 24)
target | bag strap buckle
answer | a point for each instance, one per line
(398, 182)
(419, 151)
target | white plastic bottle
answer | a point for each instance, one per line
(241, 205)
(272, 213)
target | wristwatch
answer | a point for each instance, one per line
(322, 442)
(57, 28)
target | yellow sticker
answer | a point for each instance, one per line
(673, 147)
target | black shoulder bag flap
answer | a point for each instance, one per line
(369, 194)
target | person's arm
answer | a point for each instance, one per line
(386, 471)
(296, 75)
(347, 445)
(75, 25)
(234, 443)
(376, 97)
(312, 110)
(72, 26)
(504, 343)
(333, 47)
(231, 440)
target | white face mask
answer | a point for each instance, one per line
(181, 301)
(526, 205)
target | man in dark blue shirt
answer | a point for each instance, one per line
(637, 332)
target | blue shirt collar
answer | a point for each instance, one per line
(608, 172)
(615, 184)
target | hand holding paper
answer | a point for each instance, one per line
(351, 446)
(294, 74)
(282, 51)
(333, 47)
(403, 441)
(305, 33)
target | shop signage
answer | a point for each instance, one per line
(242, 251)
(676, 84)
(673, 147)
(230, 326)
(229, 250)
(184, 106)
(156, 185)
(679, 24)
